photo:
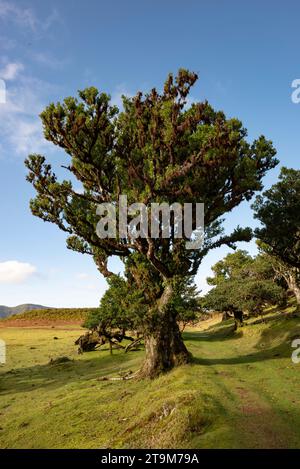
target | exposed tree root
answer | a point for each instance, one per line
(125, 377)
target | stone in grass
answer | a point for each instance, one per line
(23, 424)
(59, 360)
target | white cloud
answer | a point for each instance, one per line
(27, 137)
(11, 70)
(15, 271)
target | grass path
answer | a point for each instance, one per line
(242, 391)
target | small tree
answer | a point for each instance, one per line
(154, 151)
(121, 308)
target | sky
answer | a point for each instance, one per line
(246, 55)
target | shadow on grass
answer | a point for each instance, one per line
(54, 376)
(225, 331)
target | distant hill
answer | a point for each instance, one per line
(6, 311)
(48, 316)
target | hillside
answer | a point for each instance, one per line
(6, 311)
(48, 316)
(242, 391)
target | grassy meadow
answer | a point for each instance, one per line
(242, 391)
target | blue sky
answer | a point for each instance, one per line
(246, 54)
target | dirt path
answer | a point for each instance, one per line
(254, 405)
(259, 423)
(41, 323)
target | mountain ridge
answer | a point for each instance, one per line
(6, 311)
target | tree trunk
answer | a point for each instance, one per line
(294, 287)
(225, 316)
(238, 317)
(164, 348)
(164, 345)
(296, 291)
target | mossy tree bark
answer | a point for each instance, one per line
(164, 346)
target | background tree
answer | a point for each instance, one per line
(287, 275)
(186, 303)
(243, 283)
(155, 150)
(278, 210)
(230, 267)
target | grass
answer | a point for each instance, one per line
(242, 391)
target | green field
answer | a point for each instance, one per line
(242, 391)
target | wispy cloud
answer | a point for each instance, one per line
(11, 71)
(116, 97)
(53, 18)
(92, 287)
(44, 58)
(27, 137)
(7, 43)
(10, 11)
(20, 126)
(15, 271)
(26, 96)
(26, 17)
(82, 276)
